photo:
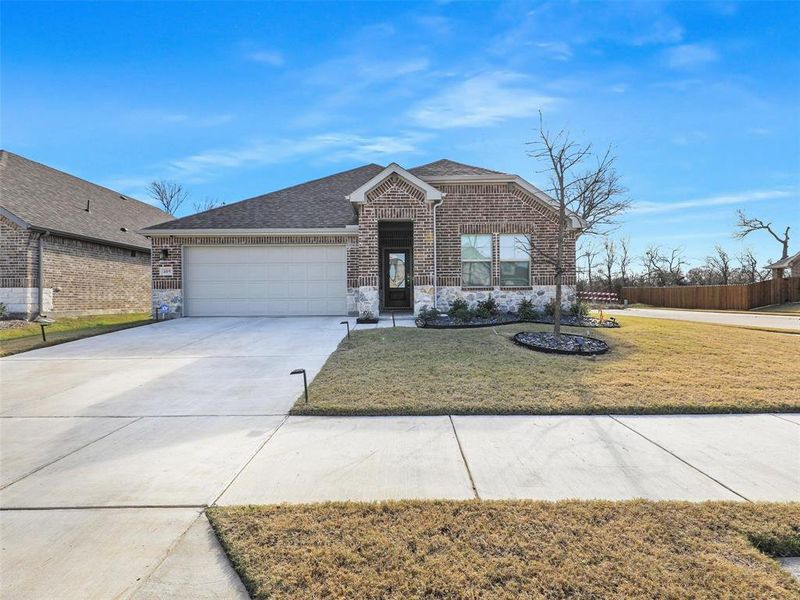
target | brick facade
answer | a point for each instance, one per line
(493, 208)
(81, 277)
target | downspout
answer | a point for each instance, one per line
(435, 273)
(42, 235)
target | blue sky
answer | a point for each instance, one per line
(701, 101)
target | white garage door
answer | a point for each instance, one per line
(264, 280)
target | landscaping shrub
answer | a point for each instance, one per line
(579, 308)
(459, 310)
(427, 313)
(550, 308)
(2, 311)
(526, 310)
(487, 308)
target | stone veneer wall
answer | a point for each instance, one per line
(508, 299)
(80, 277)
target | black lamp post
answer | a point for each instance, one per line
(348, 327)
(305, 382)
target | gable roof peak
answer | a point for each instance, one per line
(445, 167)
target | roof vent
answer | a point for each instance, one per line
(125, 229)
(88, 205)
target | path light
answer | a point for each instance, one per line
(393, 323)
(305, 382)
(348, 327)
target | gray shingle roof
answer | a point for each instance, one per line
(48, 199)
(444, 168)
(317, 203)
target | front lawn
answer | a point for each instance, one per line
(520, 549)
(29, 336)
(654, 366)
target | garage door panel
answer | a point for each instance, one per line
(265, 280)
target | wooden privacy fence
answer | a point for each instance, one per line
(724, 297)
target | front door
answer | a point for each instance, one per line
(397, 280)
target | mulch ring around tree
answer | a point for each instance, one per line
(445, 321)
(566, 343)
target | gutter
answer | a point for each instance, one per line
(350, 229)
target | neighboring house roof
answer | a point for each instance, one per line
(785, 263)
(444, 168)
(42, 198)
(321, 203)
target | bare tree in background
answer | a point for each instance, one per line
(720, 264)
(664, 269)
(168, 194)
(609, 260)
(592, 192)
(589, 254)
(625, 258)
(745, 226)
(207, 204)
(749, 266)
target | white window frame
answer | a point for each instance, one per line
(490, 260)
(517, 237)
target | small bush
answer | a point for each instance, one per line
(427, 313)
(526, 310)
(2, 311)
(487, 308)
(579, 308)
(550, 308)
(459, 310)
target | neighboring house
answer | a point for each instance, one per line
(363, 241)
(70, 247)
(792, 263)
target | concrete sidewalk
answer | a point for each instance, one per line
(789, 322)
(112, 446)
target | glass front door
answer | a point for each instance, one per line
(397, 280)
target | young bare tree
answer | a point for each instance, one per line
(591, 192)
(745, 226)
(625, 258)
(207, 204)
(720, 264)
(168, 194)
(609, 260)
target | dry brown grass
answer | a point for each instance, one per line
(474, 549)
(654, 366)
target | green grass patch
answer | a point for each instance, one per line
(654, 366)
(29, 337)
(512, 549)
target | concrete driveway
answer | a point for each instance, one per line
(754, 319)
(112, 446)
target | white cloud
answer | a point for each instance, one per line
(556, 50)
(272, 58)
(740, 198)
(149, 117)
(485, 99)
(203, 166)
(687, 56)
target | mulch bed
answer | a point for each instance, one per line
(447, 322)
(566, 343)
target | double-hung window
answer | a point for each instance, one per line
(476, 260)
(515, 260)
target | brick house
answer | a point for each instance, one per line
(70, 247)
(364, 241)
